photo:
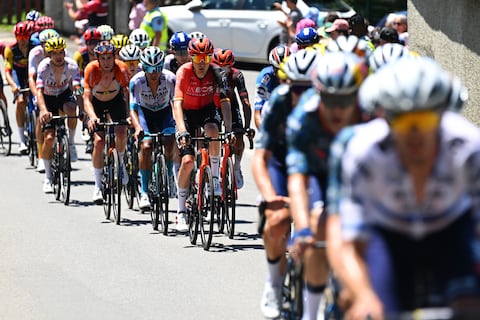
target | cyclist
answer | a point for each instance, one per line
(42, 23)
(139, 37)
(151, 97)
(403, 193)
(323, 110)
(225, 59)
(82, 57)
(130, 54)
(106, 92)
(194, 108)
(106, 31)
(56, 75)
(35, 56)
(306, 37)
(267, 80)
(269, 170)
(119, 41)
(16, 73)
(179, 51)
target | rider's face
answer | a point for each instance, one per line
(57, 57)
(106, 61)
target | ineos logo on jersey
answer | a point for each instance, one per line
(200, 91)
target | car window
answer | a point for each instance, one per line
(257, 4)
(328, 5)
(220, 4)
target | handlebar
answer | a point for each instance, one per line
(19, 93)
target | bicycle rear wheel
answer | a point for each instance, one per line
(229, 201)
(64, 170)
(5, 131)
(131, 162)
(116, 186)
(206, 199)
(292, 286)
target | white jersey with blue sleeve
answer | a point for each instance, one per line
(142, 96)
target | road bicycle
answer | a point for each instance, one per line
(30, 126)
(61, 162)
(5, 130)
(132, 188)
(200, 201)
(158, 188)
(112, 172)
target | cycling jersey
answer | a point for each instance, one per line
(369, 186)
(16, 61)
(266, 82)
(46, 77)
(141, 95)
(199, 93)
(93, 75)
(35, 56)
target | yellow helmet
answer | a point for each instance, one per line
(120, 41)
(55, 44)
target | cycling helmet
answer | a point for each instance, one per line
(32, 15)
(339, 73)
(152, 59)
(23, 29)
(44, 22)
(385, 53)
(306, 37)
(277, 54)
(106, 32)
(140, 38)
(410, 85)
(458, 95)
(299, 65)
(197, 35)
(130, 52)
(92, 34)
(120, 41)
(223, 57)
(104, 47)
(47, 34)
(179, 41)
(200, 46)
(55, 44)
(350, 44)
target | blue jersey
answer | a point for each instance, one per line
(266, 81)
(272, 130)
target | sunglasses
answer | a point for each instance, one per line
(156, 69)
(423, 121)
(341, 101)
(201, 58)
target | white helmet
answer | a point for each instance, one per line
(298, 66)
(130, 52)
(106, 31)
(197, 35)
(140, 38)
(350, 44)
(410, 84)
(386, 53)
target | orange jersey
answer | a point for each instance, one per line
(93, 75)
(199, 93)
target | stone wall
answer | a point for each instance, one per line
(448, 31)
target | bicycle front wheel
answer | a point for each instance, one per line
(31, 138)
(206, 211)
(64, 170)
(292, 286)
(131, 162)
(163, 192)
(155, 196)
(229, 199)
(116, 186)
(5, 131)
(56, 168)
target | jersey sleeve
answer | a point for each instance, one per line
(239, 83)
(134, 103)
(8, 57)
(88, 75)
(32, 64)
(157, 22)
(180, 84)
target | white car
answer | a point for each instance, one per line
(248, 27)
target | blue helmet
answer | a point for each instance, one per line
(306, 37)
(179, 41)
(32, 15)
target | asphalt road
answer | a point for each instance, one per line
(68, 262)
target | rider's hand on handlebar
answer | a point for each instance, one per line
(230, 137)
(183, 138)
(45, 117)
(92, 124)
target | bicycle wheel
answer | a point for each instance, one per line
(131, 163)
(64, 170)
(5, 131)
(155, 196)
(206, 212)
(116, 186)
(229, 201)
(192, 210)
(31, 119)
(56, 167)
(163, 193)
(292, 286)
(107, 183)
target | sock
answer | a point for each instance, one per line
(274, 276)
(312, 295)
(238, 161)
(98, 173)
(215, 165)
(145, 178)
(48, 169)
(182, 197)
(71, 136)
(21, 134)
(176, 167)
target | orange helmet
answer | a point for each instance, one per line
(223, 57)
(200, 46)
(23, 29)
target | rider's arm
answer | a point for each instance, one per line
(8, 57)
(87, 94)
(134, 106)
(243, 94)
(223, 88)
(32, 73)
(178, 101)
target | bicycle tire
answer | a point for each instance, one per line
(64, 170)
(229, 201)
(131, 162)
(56, 167)
(116, 187)
(192, 210)
(163, 193)
(31, 138)
(292, 286)
(155, 196)
(206, 209)
(107, 182)
(5, 131)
